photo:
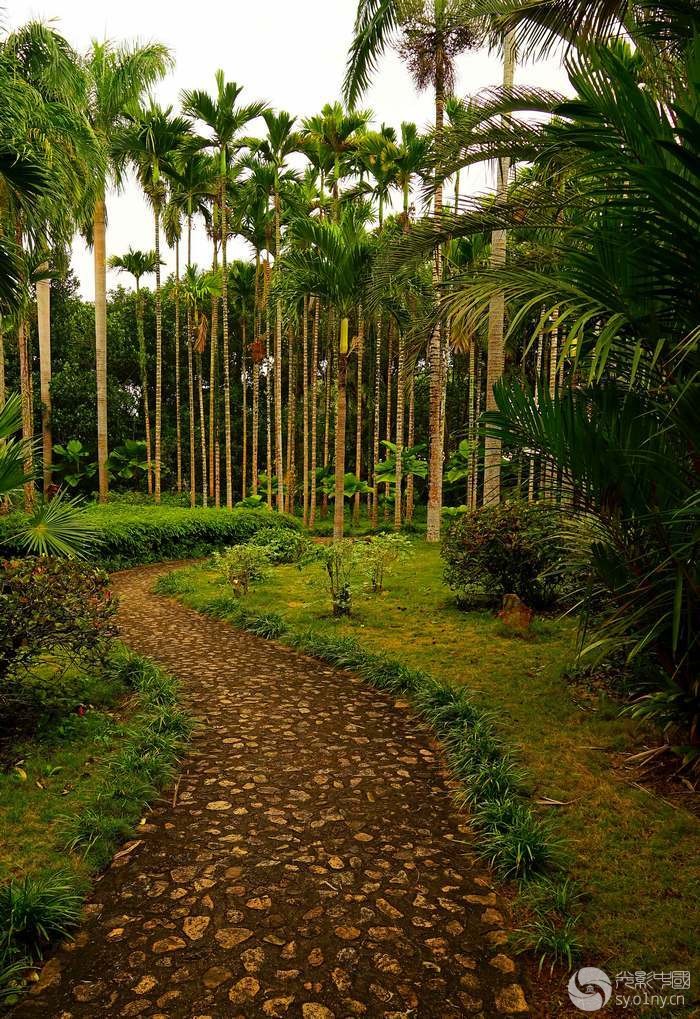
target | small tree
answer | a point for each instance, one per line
(242, 565)
(380, 553)
(338, 561)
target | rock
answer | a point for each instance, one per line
(312, 1010)
(252, 959)
(88, 992)
(262, 902)
(145, 985)
(219, 805)
(511, 999)
(230, 937)
(277, 1006)
(216, 976)
(49, 976)
(348, 933)
(244, 990)
(195, 926)
(515, 616)
(167, 945)
(503, 963)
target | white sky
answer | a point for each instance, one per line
(291, 53)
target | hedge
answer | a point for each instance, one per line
(133, 535)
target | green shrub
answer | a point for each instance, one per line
(507, 549)
(241, 566)
(283, 545)
(379, 553)
(34, 912)
(131, 534)
(338, 561)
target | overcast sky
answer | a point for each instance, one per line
(289, 52)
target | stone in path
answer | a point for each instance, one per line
(313, 865)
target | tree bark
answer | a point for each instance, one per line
(244, 409)
(43, 302)
(400, 399)
(228, 456)
(377, 420)
(279, 451)
(159, 359)
(314, 410)
(213, 377)
(291, 419)
(178, 417)
(190, 380)
(268, 399)
(340, 416)
(358, 428)
(389, 405)
(496, 353)
(305, 409)
(202, 427)
(327, 415)
(144, 386)
(100, 259)
(410, 441)
(25, 383)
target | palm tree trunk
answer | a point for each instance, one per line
(471, 432)
(389, 405)
(244, 410)
(410, 440)
(358, 425)
(268, 403)
(377, 420)
(400, 399)
(3, 393)
(550, 475)
(213, 386)
(340, 415)
(279, 451)
(227, 368)
(144, 385)
(255, 428)
(496, 353)
(538, 378)
(202, 427)
(314, 410)
(43, 303)
(327, 415)
(291, 418)
(100, 257)
(178, 421)
(305, 409)
(435, 436)
(159, 357)
(25, 382)
(190, 378)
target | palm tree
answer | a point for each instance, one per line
(428, 34)
(139, 264)
(225, 120)
(332, 138)
(151, 141)
(242, 283)
(118, 78)
(335, 266)
(172, 227)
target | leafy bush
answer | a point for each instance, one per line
(131, 535)
(282, 545)
(242, 565)
(507, 549)
(55, 605)
(36, 911)
(338, 561)
(380, 552)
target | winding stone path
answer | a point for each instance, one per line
(309, 864)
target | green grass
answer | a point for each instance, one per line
(634, 854)
(74, 792)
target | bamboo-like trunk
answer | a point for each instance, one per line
(340, 416)
(291, 419)
(202, 427)
(159, 358)
(190, 380)
(327, 415)
(25, 383)
(550, 473)
(471, 480)
(389, 404)
(410, 441)
(255, 428)
(400, 399)
(377, 420)
(305, 409)
(228, 453)
(100, 259)
(3, 392)
(314, 410)
(435, 436)
(268, 404)
(496, 352)
(279, 449)
(244, 408)
(178, 416)
(358, 425)
(43, 306)
(538, 379)
(144, 386)
(213, 377)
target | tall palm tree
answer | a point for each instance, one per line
(139, 264)
(429, 34)
(151, 142)
(225, 121)
(118, 78)
(172, 227)
(331, 138)
(336, 266)
(242, 283)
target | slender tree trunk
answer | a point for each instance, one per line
(377, 420)
(327, 416)
(496, 353)
(279, 451)
(159, 359)
(3, 392)
(410, 441)
(305, 409)
(435, 436)
(340, 415)
(227, 368)
(202, 427)
(358, 427)
(178, 417)
(314, 410)
(244, 414)
(538, 379)
(144, 386)
(100, 257)
(550, 473)
(255, 427)
(43, 302)
(268, 401)
(25, 383)
(471, 481)
(190, 379)
(213, 377)
(389, 405)
(291, 418)
(400, 399)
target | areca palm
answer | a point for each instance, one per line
(118, 78)
(139, 264)
(225, 120)
(150, 142)
(428, 35)
(332, 136)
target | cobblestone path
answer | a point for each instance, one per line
(310, 862)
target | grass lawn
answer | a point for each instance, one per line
(635, 855)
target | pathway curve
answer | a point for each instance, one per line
(312, 864)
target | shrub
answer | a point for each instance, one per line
(36, 911)
(507, 549)
(338, 560)
(55, 605)
(130, 535)
(282, 544)
(242, 565)
(380, 552)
